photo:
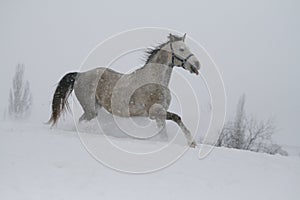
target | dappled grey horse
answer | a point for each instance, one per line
(143, 92)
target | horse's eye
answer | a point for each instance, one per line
(181, 49)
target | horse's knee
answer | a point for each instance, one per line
(91, 116)
(82, 117)
(157, 111)
(87, 116)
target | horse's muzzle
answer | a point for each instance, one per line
(194, 70)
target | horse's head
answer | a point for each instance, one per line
(181, 54)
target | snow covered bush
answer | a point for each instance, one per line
(247, 133)
(20, 98)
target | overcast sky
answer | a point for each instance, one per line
(254, 43)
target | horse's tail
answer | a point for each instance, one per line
(60, 97)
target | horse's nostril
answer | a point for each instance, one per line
(197, 63)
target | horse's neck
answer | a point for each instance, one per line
(158, 68)
(158, 73)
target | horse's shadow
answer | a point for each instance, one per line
(140, 128)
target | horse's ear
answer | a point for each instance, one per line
(183, 37)
(171, 37)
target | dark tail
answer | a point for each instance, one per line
(60, 97)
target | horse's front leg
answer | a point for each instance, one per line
(158, 113)
(176, 118)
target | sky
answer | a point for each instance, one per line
(254, 43)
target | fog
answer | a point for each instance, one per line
(254, 43)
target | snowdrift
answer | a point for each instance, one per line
(41, 163)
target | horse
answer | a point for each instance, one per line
(143, 92)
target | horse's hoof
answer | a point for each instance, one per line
(193, 144)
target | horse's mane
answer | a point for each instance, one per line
(152, 51)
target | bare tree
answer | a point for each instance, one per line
(20, 98)
(239, 125)
(249, 134)
(233, 133)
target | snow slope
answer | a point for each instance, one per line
(41, 163)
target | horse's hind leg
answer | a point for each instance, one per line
(85, 89)
(176, 118)
(90, 113)
(87, 116)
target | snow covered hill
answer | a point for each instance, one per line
(41, 163)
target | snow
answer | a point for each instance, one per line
(42, 163)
